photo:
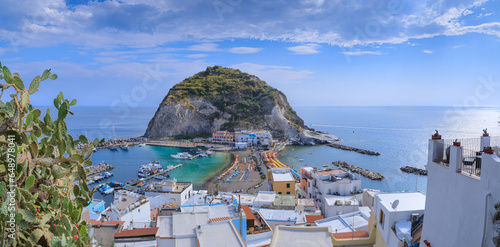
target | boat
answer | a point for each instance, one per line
(106, 174)
(143, 174)
(325, 165)
(301, 160)
(140, 183)
(124, 146)
(113, 148)
(160, 177)
(310, 153)
(115, 184)
(184, 155)
(130, 181)
(203, 154)
(210, 152)
(98, 177)
(94, 150)
(142, 145)
(106, 189)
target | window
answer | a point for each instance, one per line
(381, 219)
(288, 185)
(279, 193)
(288, 192)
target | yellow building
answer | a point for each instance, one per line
(282, 181)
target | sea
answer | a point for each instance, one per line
(399, 133)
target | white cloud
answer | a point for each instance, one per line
(207, 47)
(244, 50)
(196, 55)
(274, 74)
(457, 46)
(154, 23)
(359, 53)
(467, 12)
(427, 51)
(305, 49)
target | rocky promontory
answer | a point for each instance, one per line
(364, 172)
(227, 99)
(358, 150)
(410, 169)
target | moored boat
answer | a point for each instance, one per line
(124, 146)
(184, 155)
(113, 148)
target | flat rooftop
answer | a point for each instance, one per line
(219, 234)
(293, 236)
(279, 215)
(282, 176)
(306, 202)
(184, 224)
(265, 196)
(179, 186)
(285, 200)
(124, 201)
(334, 172)
(414, 201)
(214, 211)
(340, 200)
(346, 222)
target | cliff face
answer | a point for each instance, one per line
(227, 99)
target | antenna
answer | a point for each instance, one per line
(395, 204)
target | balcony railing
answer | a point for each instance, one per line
(471, 163)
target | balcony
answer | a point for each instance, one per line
(469, 158)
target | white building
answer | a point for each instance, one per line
(461, 193)
(219, 234)
(275, 217)
(264, 198)
(324, 183)
(240, 145)
(290, 236)
(262, 137)
(131, 208)
(394, 212)
(179, 229)
(355, 221)
(178, 191)
(337, 205)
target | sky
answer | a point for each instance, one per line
(339, 52)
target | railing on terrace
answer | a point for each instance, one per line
(471, 163)
(495, 141)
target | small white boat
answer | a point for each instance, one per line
(94, 150)
(203, 154)
(142, 145)
(184, 155)
(124, 146)
(210, 152)
(113, 148)
(160, 177)
(301, 160)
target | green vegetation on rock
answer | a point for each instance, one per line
(245, 97)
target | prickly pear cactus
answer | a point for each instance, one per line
(40, 203)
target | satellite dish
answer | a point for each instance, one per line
(395, 204)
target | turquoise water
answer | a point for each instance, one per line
(400, 134)
(127, 163)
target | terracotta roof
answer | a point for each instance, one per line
(105, 223)
(248, 212)
(219, 219)
(137, 232)
(312, 218)
(347, 235)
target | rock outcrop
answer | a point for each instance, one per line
(227, 99)
(364, 172)
(358, 150)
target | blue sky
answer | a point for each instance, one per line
(339, 52)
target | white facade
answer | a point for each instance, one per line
(240, 145)
(337, 205)
(459, 204)
(329, 182)
(134, 210)
(390, 208)
(180, 192)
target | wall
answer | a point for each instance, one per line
(455, 205)
(281, 187)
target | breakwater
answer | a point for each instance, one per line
(410, 169)
(364, 172)
(358, 150)
(96, 169)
